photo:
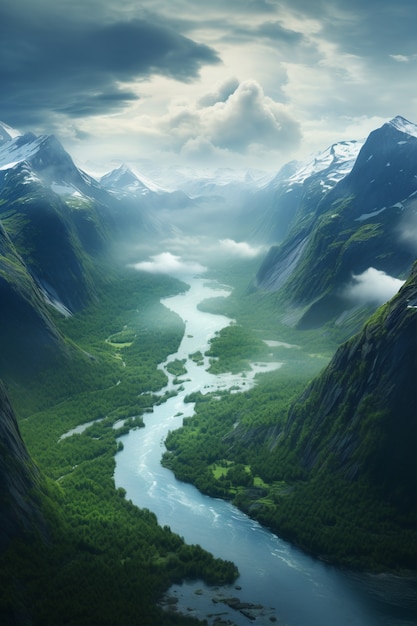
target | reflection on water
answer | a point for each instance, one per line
(288, 584)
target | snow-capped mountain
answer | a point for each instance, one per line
(403, 126)
(142, 197)
(364, 225)
(47, 162)
(331, 165)
(298, 186)
(123, 201)
(197, 182)
(58, 218)
(124, 180)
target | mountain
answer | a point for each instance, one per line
(298, 187)
(29, 338)
(123, 179)
(360, 415)
(54, 235)
(53, 239)
(101, 212)
(54, 215)
(143, 203)
(61, 233)
(363, 223)
(63, 223)
(19, 480)
(333, 469)
(46, 159)
(352, 436)
(215, 203)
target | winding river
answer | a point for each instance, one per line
(287, 585)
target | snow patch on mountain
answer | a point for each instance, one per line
(404, 126)
(366, 216)
(19, 149)
(338, 159)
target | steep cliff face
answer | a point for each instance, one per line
(29, 338)
(50, 237)
(19, 480)
(359, 417)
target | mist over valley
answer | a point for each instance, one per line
(241, 350)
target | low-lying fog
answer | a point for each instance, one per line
(185, 256)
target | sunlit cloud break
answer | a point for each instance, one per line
(373, 286)
(167, 263)
(240, 248)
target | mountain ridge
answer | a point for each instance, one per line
(357, 224)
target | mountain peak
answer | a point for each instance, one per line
(339, 156)
(123, 179)
(120, 178)
(403, 125)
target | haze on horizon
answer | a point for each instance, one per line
(231, 83)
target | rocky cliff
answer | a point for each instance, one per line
(19, 480)
(359, 417)
(29, 338)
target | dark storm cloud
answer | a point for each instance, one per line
(65, 64)
(372, 29)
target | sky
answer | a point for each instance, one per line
(161, 84)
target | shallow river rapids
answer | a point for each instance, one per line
(284, 583)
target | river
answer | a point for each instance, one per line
(292, 588)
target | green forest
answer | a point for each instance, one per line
(229, 449)
(97, 559)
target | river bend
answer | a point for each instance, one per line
(292, 587)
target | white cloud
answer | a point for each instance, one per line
(408, 227)
(402, 58)
(241, 248)
(236, 118)
(373, 286)
(249, 117)
(167, 263)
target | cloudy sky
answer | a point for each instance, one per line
(236, 83)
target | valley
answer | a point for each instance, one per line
(173, 381)
(220, 527)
